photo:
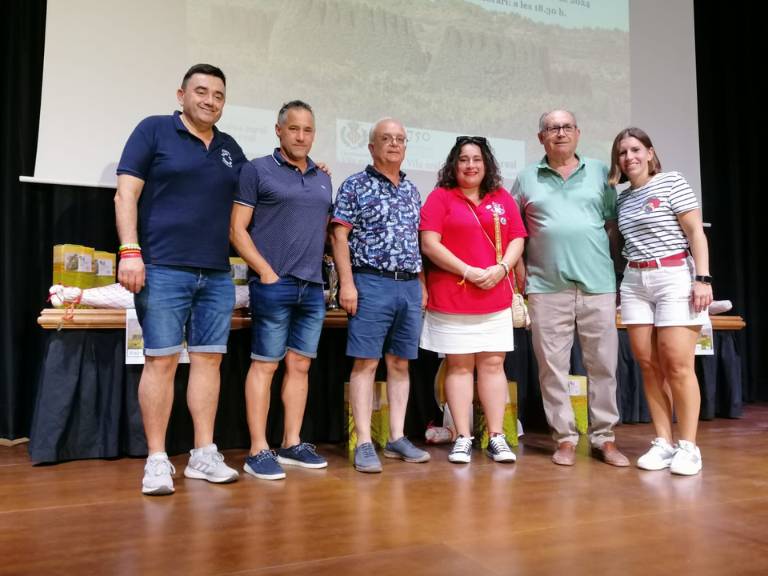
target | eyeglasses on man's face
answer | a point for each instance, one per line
(397, 140)
(555, 130)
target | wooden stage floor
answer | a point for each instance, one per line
(532, 517)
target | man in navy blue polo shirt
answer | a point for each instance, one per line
(376, 249)
(176, 180)
(279, 223)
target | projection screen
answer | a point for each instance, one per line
(443, 67)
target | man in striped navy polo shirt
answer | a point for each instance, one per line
(279, 224)
(376, 248)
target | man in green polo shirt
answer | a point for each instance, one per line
(570, 212)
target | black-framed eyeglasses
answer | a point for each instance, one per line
(555, 130)
(477, 140)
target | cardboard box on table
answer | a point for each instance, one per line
(238, 270)
(104, 268)
(73, 265)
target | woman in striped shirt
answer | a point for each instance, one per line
(664, 295)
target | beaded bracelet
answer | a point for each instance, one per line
(129, 246)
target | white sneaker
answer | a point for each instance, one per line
(499, 450)
(207, 463)
(658, 457)
(462, 450)
(687, 459)
(158, 472)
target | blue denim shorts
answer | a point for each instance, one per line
(388, 318)
(286, 315)
(178, 301)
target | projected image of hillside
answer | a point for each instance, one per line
(447, 67)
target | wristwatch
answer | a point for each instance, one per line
(703, 278)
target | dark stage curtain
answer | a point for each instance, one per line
(34, 217)
(729, 69)
(22, 36)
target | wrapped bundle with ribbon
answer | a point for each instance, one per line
(112, 296)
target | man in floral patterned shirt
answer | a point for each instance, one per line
(376, 248)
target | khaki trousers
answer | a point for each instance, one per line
(554, 317)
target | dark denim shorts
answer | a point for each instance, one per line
(286, 315)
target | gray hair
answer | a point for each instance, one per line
(372, 131)
(543, 118)
(293, 104)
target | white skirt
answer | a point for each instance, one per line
(468, 333)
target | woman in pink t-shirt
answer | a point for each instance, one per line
(472, 233)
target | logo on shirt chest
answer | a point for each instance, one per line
(226, 157)
(498, 210)
(651, 204)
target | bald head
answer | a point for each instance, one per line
(386, 143)
(382, 126)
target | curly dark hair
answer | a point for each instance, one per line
(446, 178)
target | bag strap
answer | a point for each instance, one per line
(496, 245)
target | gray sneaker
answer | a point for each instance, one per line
(403, 449)
(207, 463)
(366, 459)
(158, 475)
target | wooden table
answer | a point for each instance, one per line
(100, 318)
(83, 319)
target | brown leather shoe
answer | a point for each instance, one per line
(565, 455)
(609, 454)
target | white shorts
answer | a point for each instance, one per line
(468, 333)
(659, 296)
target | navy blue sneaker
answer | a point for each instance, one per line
(264, 465)
(461, 451)
(303, 455)
(499, 450)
